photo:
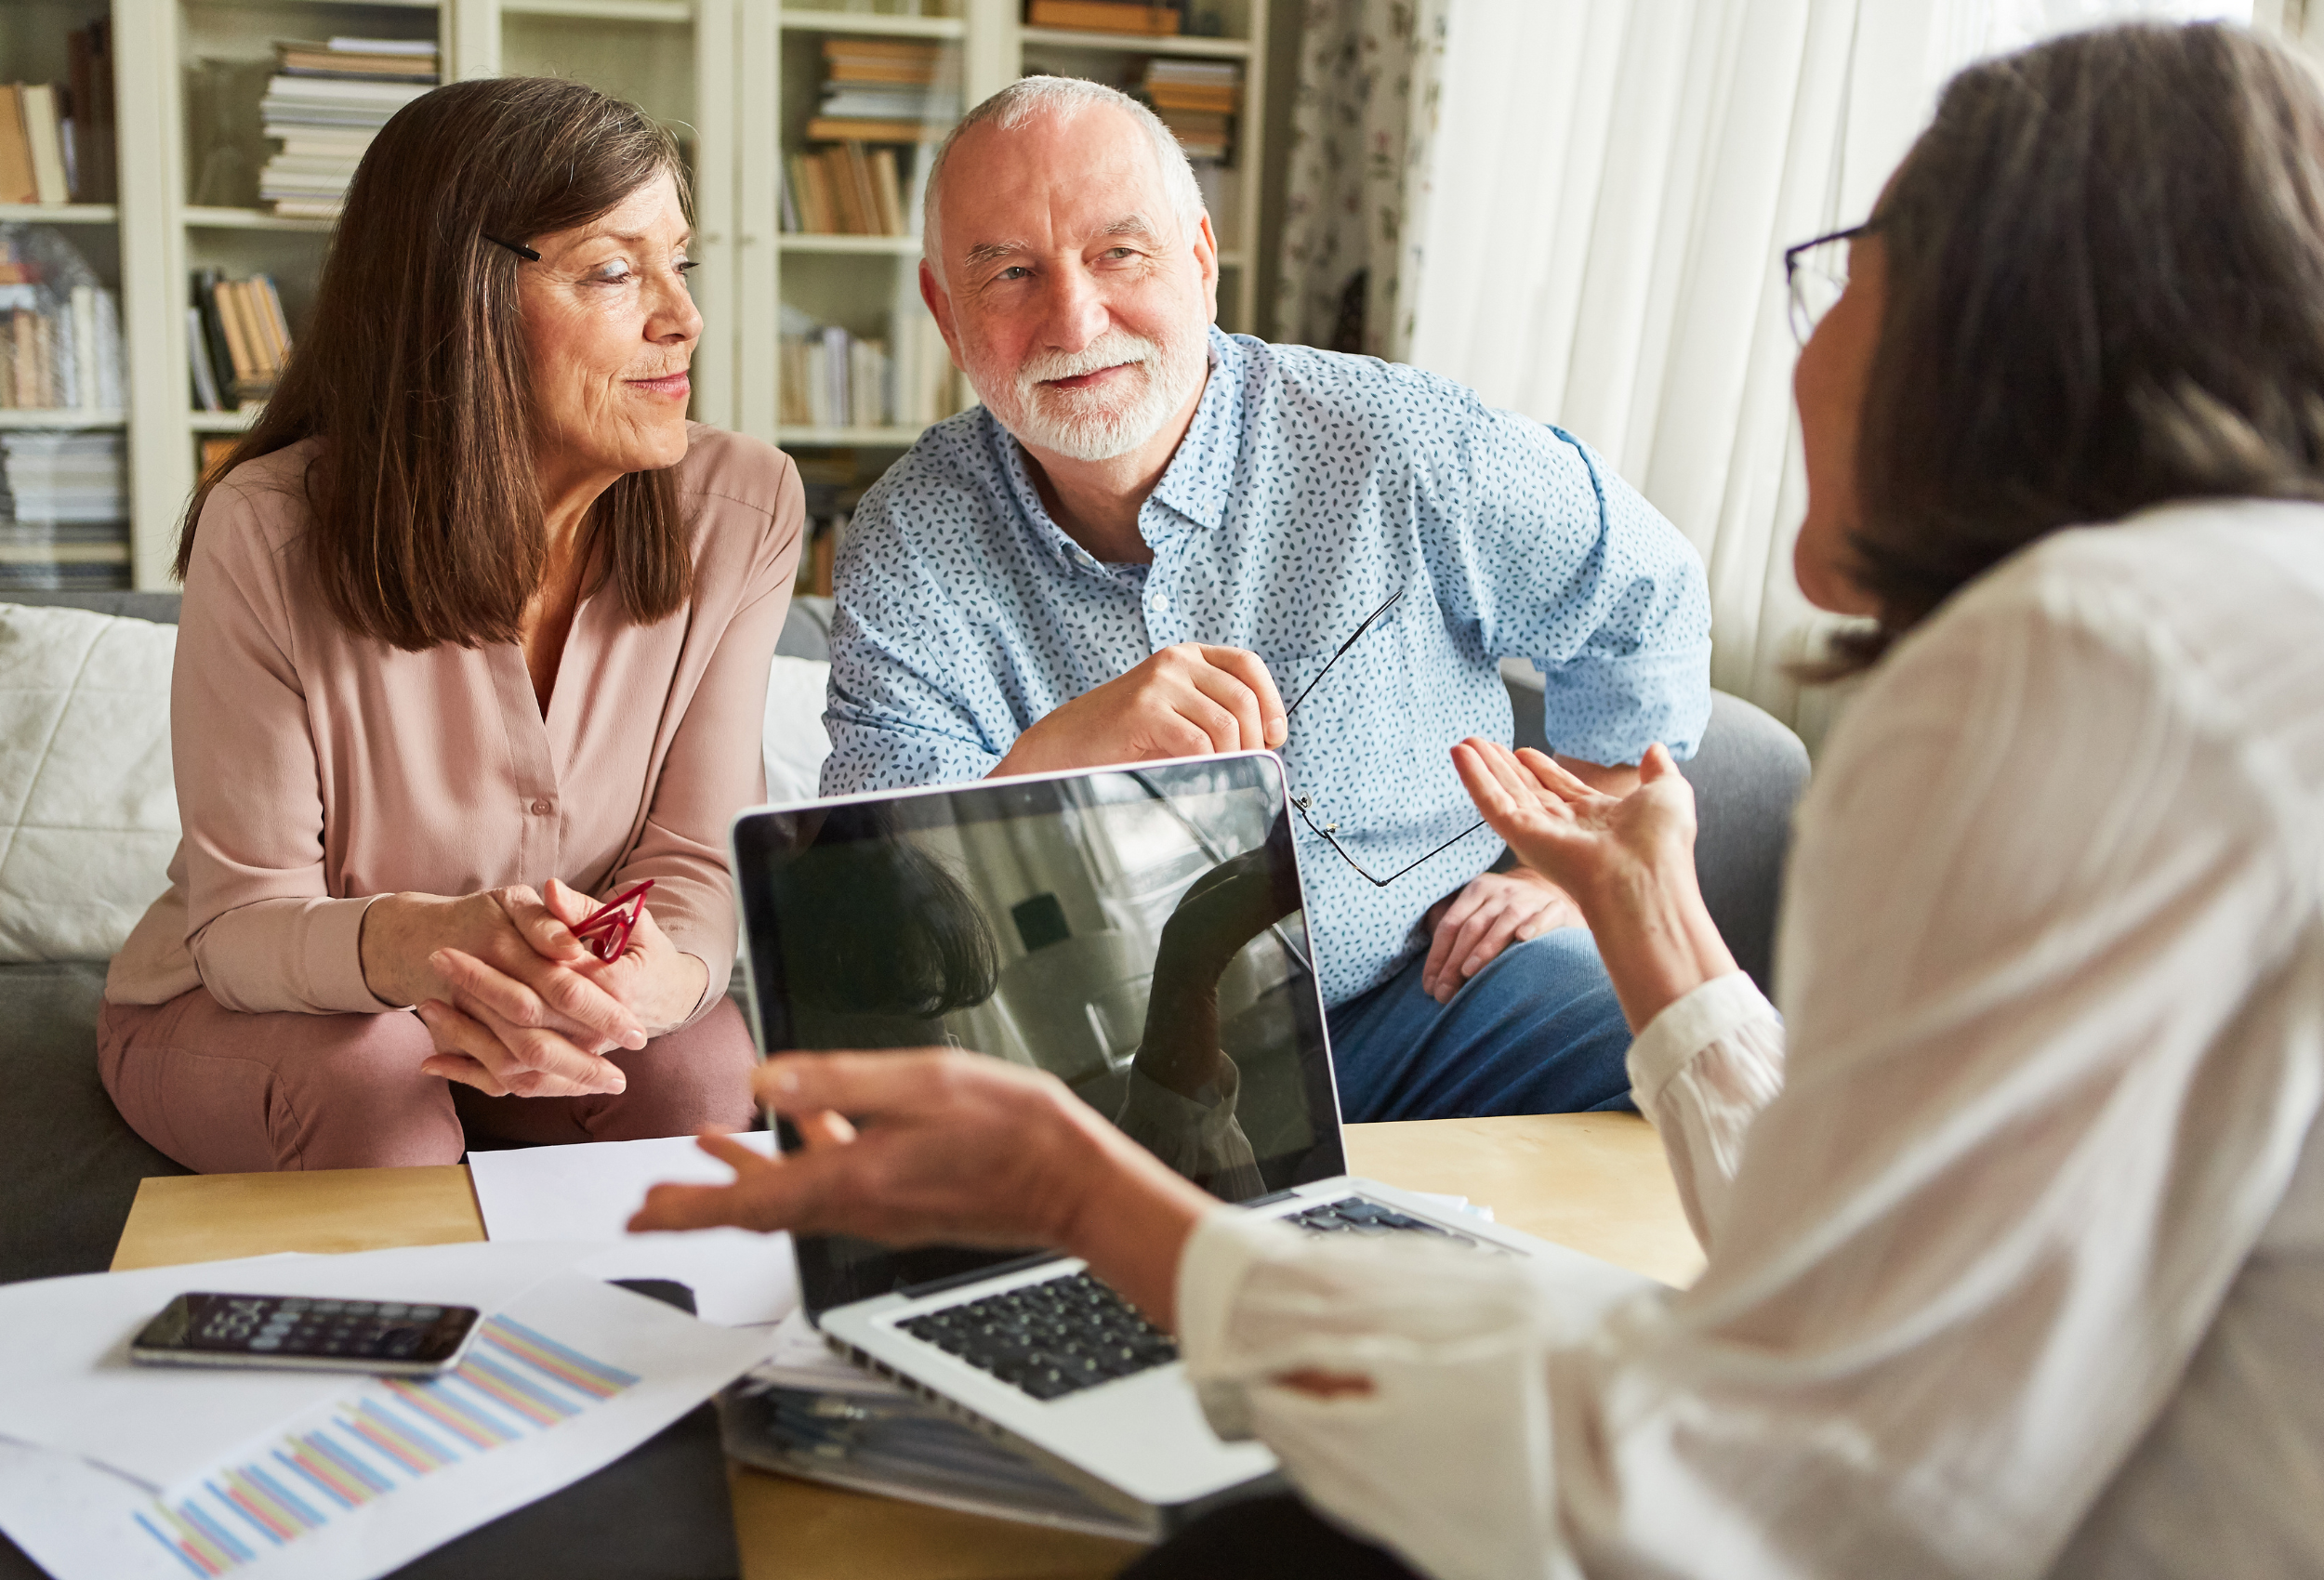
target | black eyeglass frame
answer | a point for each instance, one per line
(1304, 805)
(1801, 325)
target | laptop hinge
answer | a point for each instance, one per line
(954, 1281)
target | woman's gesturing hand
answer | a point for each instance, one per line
(1582, 840)
(948, 1147)
(1628, 863)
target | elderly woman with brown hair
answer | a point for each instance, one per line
(2015, 1216)
(477, 628)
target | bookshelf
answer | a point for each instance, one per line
(738, 79)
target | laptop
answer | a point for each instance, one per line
(1141, 933)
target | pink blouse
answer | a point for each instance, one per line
(317, 770)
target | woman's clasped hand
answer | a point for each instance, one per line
(515, 1004)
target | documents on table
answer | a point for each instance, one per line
(72, 1386)
(588, 1190)
(370, 1474)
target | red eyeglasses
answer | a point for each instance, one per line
(606, 929)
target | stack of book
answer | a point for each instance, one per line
(886, 90)
(1198, 99)
(847, 191)
(831, 378)
(237, 340)
(59, 330)
(64, 510)
(1107, 16)
(323, 105)
(57, 138)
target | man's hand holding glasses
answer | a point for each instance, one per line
(1185, 700)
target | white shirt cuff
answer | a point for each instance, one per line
(1222, 1249)
(1672, 1038)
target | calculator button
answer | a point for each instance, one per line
(328, 1305)
(394, 1309)
(426, 1313)
(360, 1308)
(293, 1303)
(267, 1341)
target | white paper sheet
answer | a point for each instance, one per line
(419, 1465)
(70, 1386)
(586, 1192)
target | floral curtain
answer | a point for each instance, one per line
(1369, 79)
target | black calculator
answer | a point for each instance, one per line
(402, 1337)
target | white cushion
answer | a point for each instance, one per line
(89, 813)
(796, 743)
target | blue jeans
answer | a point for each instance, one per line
(1536, 1031)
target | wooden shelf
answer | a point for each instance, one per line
(813, 242)
(250, 220)
(681, 11)
(69, 417)
(872, 438)
(59, 212)
(220, 422)
(1138, 42)
(866, 22)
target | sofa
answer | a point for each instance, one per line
(70, 1166)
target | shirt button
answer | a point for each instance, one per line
(1161, 603)
(540, 809)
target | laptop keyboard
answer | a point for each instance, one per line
(1051, 1338)
(1066, 1334)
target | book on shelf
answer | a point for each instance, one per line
(1105, 16)
(237, 329)
(57, 138)
(831, 378)
(323, 105)
(886, 90)
(59, 329)
(65, 509)
(848, 190)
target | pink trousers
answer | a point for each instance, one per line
(227, 1093)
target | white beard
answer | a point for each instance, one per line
(1083, 425)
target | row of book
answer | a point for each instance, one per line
(886, 90)
(848, 190)
(831, 378)
(59, 330)
(237, 340)
(57, 138)
(64, 510)
(323, 105)
(1158, 20)
(1197, 100)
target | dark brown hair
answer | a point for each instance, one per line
(2104, 271)
(427, 524)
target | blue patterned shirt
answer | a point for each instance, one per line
(1311, 486)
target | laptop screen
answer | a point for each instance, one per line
(1138, 932)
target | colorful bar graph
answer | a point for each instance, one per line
(515, 1383)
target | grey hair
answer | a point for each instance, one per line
(1028, 97)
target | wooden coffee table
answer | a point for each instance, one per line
(1594, 1181)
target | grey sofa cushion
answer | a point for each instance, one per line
(68, 1165)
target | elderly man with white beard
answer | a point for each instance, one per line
(1152, 534)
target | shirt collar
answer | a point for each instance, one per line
(1200, 477)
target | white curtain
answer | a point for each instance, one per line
(1599, 231)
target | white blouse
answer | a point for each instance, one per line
(2018, 1270)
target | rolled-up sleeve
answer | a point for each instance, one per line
(1568, 567)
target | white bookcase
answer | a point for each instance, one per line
(736, 79)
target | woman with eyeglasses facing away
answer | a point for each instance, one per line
(476, 634)
(2016, 1219)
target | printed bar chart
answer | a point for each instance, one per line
(516, 1382)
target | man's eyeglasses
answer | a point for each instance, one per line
(1814, 273)
(1305, 804)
